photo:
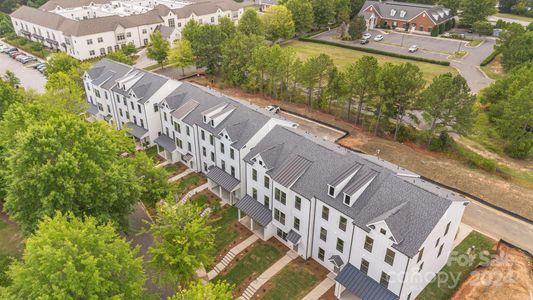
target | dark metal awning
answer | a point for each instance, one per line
(108, 118)
(166, 142)
(186, 157)
(293, 237)
(362, 286)
(255, 210)
(225, 180)
(336, 260)
(136, 130)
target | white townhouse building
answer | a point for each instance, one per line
(90, 28)
(382, 229)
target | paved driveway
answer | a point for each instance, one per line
(433, 48)
(29, 77)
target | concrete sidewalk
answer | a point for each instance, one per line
(194, 192)
(181, 175)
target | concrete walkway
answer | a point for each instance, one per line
(249, 292)
(228, 258)
(165, 163)
(194, 192)
(181, 175)
(322, 288)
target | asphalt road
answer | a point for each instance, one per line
(29, 77)
(433, 48)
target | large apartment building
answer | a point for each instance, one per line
(90, 28)
(382, 229)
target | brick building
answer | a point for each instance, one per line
(409, 16)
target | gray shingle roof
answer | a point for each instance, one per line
(166, 142)
(255, 210)
(386, 191)
(347, 172)
(293, 236)
(437, 13)
(105, 72)
(225, 180)
(206, 7)
(136, 130)
(362, 285)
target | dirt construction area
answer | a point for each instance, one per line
(509, 275)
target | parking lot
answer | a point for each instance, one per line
(29, 77)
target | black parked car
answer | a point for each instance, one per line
(363, 42)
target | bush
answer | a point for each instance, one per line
(442, 28)
(406, 133)
(489, 58)
(375, 51)
(435, 31)
(442, 143)
(482, 27)
(475, 160)
(448, 25)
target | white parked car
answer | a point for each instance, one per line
(367, 35)
(413, 48)
(378, 38)
(273, 108)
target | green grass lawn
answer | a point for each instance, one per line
(175, 168)
(10, 248)
(225, 234)
(494, 69)
(291, 283)
(187, 182)
(444, 290)
(474, 43)
(256, 261)
(515, 17)
(152, 152)
(343, 57)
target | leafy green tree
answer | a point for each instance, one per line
(8, 6)
(337, 88)
(250, 23)
(62, 62)
(129, 49)
(447, 103)
(362, 82)
(205, 291)
(302, 14)
(277, 23)
(516, 123)
(206, 42)
(121, 57)
(324, 11)
(356, 28)
(342, 10)
(314, 72)
(324, 65)
(66, 164)
(472, 11)
(482, 27)
(258, 68)
(181, 55)
(157, 48)
(517, 50)
(66, 92)
(11, 78)
(5, 24)
(227, 26)
(70, 258)
(183, 242)
(278, 65)
(355, 7)
(155, 184)
(404, 91)
(237, 55)
(8, 96)
(454, 5)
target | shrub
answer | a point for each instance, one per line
(442, 143)
(375, 51)
(442, 28)
(489, 58)
(482, 27)
(435, 31)
(475, 160)
(406, 133)
(448, 25)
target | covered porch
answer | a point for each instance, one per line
(166, 147)
(254, 216)
(352, 284)
(223, 184)
(139, 135)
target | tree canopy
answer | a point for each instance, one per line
(302, 13)
(157, 48)
(250, 23)
(472, 11)
(205, 291)
(71, 258)
(181, 55)
(278, 23)
(60, 162)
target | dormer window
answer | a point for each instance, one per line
(383, 231)
(402, 14)
(347, 199)
(331, 191)
(392, 12)
(213, 123)
(205, 119)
